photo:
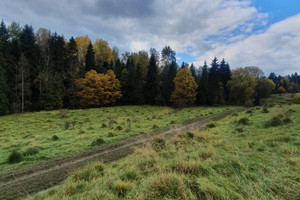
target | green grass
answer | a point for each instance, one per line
(41, 137)
(229, 160)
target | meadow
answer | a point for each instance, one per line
(39, 137)
(253, 154)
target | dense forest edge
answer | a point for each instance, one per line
(43, 71)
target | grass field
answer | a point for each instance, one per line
(249, 155)
(45, 136)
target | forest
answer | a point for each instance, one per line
(43, 70)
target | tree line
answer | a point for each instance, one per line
(43, 71)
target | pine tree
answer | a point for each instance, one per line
(151, 90)
(90, 59)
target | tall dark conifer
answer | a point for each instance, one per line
(203, 86)
(4, 65)
(151, 90)
(90, 59)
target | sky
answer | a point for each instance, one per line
(263, 33)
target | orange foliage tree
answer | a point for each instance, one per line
(96, 90)
(185, 88)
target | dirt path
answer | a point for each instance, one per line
(43, 177)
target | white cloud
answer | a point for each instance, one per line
(275, 50)
(222, 28)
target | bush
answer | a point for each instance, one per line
(119, 128)
(243, 121)
(296, 98)
(15, 157)
(54, 137)
(158, 144)
(103, 126)
(31, 151)
(97, 142)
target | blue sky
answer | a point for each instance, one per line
(263, 33)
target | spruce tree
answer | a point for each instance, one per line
(151, 90)
(225, 74)
(90, 59)
(203, 86)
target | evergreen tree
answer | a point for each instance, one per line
(225, 74)
(70, 74)
(30, 67)
(215, 85)
(139, 82)
(151, 90)
(203, 86)
(193, 71)
(4, 102)
(90, 59)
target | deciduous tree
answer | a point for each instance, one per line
(185, 88)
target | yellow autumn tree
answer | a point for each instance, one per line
(82, 43)
(103, 54)
(185, 88)
(96, 90)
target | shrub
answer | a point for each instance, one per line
(54, 137)
(15, 157)
(296, 98)
(121, 187)
(63, 113)
(172, 122)
(158, 144)
(103, 126)
(243, 121)
(119, 128)
(31, 151)
(97, 142)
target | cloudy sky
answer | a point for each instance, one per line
(263, 33)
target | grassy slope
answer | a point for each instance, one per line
(229, 161)
(32, 132)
